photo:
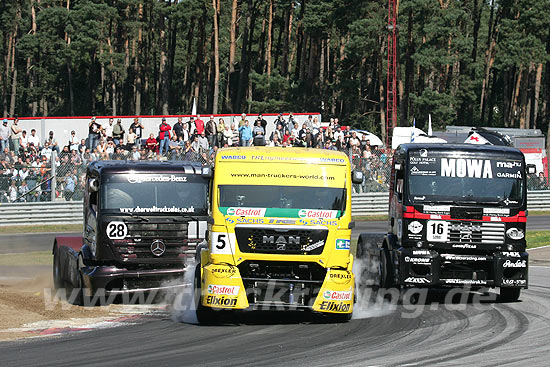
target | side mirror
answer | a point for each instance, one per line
(531, 169)
(94, 184)
(207, 172)
(357, 177)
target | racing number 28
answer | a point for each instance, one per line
(117, 230)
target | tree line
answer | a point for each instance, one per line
(470, 62)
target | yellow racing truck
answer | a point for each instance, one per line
(279, 233)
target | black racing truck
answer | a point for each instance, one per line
(142, 224)
(457, 216)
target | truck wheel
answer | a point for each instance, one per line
(57, 280)
(205, 315)
(509, 294)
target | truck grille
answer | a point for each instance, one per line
(476, 232)
(159, 242)
(281, 240)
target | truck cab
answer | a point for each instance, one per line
(279, 238)
(142, 222)
(457, 217)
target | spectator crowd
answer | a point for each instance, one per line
(25, 159)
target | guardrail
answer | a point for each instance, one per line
(66, 212)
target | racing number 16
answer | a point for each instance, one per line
(438, 231)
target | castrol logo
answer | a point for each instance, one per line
(337, 295)
(312, 213)
(246, 212)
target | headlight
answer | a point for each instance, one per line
(515, 234)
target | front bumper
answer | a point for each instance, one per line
(429, 268)
(223, 286)
(114, 280)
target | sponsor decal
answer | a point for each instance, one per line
(311, 213)
(517, 264)
(437, 209)
(334, 306)
(158, 209)
(340, 278)
(510, 253)
(421, 252)
(415, 227)
(337, 295)
(226, 290)
(509, 164)
(514, 282)
(509, 175)
(246, 212)
(416, 172)
(464, 245)
(474, 168)
(223, 272)
(233, 157)
(313, 246)
(221, 301)
(417, 280)
(317, 222)
(515, 233)
(465, 281)
(454, 257)
(161, 178)
(281, 221)
(418, 260)
(117, 230)
(342, 244)
(496, 211)
(423, 152)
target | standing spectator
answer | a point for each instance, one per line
(12, 192)
(227, 136)
(15, 135)
(203, 142)
(191, 125)
(82, 146)
(23, 190)
(258, 132)
(178, 127)
(221, 129)
(118, 133)
(152, 144)
(34, 139)
(4, 135)
(291, 119)
(131, 139)
(47, 150)
(195, 145)
(245, 134)
(94, 129)
(354, 141)
(53, 143)
(243, 119)
(73, 141)
(137, 126)
(23, 141)
(263, 122)
(236, 136)
(164, 136)
(211, 130)
(280, 121)
(278, 132)
(70, 185)
(108, 130)
(199, 125)
(309, 122)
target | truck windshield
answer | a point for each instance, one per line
(283, 197)
(466, 181)
(154, 193)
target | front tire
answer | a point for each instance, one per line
(205, 315)
(57, 279)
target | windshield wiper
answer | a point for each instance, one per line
(187, 215)
(138, 217)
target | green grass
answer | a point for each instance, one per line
(42, 228)
(26, 258)
(537, 238)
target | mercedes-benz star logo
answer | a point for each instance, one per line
(158, 247)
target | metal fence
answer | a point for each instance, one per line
(71, 212)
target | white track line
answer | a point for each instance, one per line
(538, 248)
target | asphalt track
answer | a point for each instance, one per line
(480, 334)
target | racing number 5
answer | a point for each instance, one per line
(220, 245)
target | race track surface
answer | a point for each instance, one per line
(486, 334)
(471, 333)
